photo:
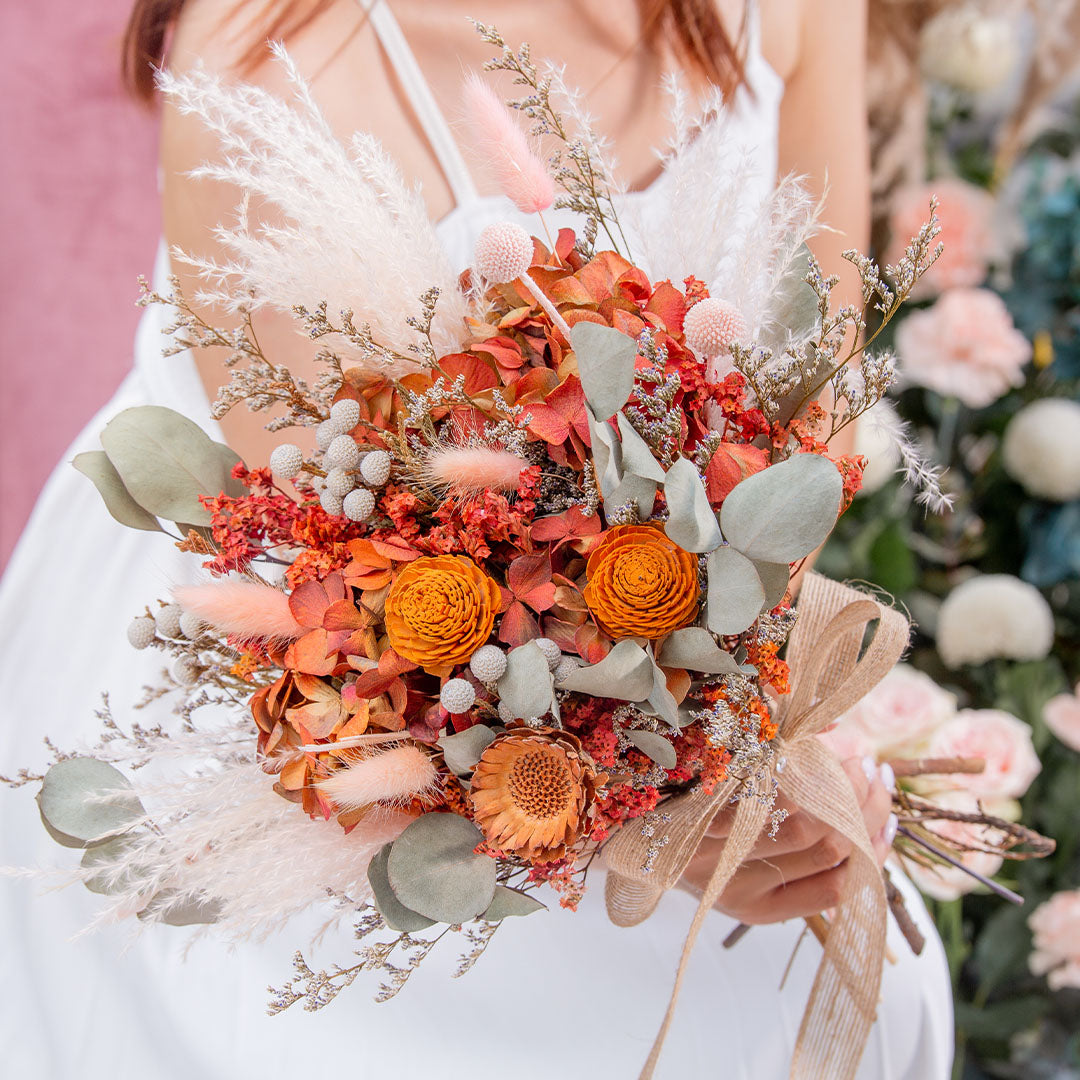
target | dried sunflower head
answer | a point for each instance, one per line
(533, 792)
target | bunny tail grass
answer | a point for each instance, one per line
(244, 609)
(391, 775)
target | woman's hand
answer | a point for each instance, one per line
(803, 871)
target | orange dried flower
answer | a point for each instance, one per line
(440, 610)
(641, 584)
(533, 792)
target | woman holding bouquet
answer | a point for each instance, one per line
(567, 993)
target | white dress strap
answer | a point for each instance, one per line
(431, 117)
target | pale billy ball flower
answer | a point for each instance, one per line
(375, 468)
(711, 327)
(339, 483)
(488, 663)
(140, 631)
(345, 414)
(504, 252)
(286, 460)
(1041, 450)
(191, 626)
(331, 503)
(358, 505)
(566, 667)
(342, 453)
(185, 671)
(326, 433)
(994, 615)
(969, 49)
(506, 714)
(552, 652)
(458, 696)
(168, 620)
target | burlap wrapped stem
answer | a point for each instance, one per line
(829, 673)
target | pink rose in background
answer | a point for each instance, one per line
(1001, 740)
(1062, 716)
(965, 346)
(966, 214)
(1056, 926)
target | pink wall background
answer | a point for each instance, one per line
(78, 223)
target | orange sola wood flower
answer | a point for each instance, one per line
(640, 583)
(440, 610)
(533, 792)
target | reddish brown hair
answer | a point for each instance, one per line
(693, 26)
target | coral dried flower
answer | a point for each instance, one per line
(533, 792)
(641, 584)
(440, 610)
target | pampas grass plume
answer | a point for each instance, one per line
(520, 173)
(469, 470)
(243, 609)
(391, 775)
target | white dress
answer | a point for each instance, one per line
(557, 994)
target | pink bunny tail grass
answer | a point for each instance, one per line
(520, 172)
(469, 470)
(243, 609)
(395, 775)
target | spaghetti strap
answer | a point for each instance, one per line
(431, 117)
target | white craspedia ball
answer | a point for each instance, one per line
(342, 453)
(994, 615)
(711, 326)
(345, 414)
(358, 505)
(551, 651)
(286, 460)
(331, 503)
(504, 252)
(458, 696)
(140, 631)
(488, 663)
(167, 620)
(375, 468)
(339, 483)
(565, 668)
(191, 626)
(326, 433)
(1041, 449)
(185, 670)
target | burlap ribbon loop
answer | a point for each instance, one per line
(830, 671)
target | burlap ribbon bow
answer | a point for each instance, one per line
(830, 672)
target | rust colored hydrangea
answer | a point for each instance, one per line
(640, 583)
(440, 610)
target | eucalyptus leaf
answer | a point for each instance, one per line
(607, 453)
(633, 489)
(605, 359)
(87, 801)
(166, 462)
(462, 751)
(775, 578)
(661, 702)
(395, 914)
(107, 854)
(434, 871)
(626, 673)
(95, 465)
(229, 457)
(527, 687)
(784, 512)
(654, 746)
(691, 520)
(794, 306)
(510, 902)
(637, 458)
(735, 592)
(187, 912)
(694, 649)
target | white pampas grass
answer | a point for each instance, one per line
(243, 609)
(508, 151)
(394, 775)
(353, 234)
(918, 471)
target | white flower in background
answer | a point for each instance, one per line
(1061, 715)
(965, 346)
(1041, 449)
(944, 882)
(1001, 740)
(994, 615)
(969, 49)
(1056, 927)
(874, 441)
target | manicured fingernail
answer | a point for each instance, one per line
(869, 766)
(890, 829)
(888, 777)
